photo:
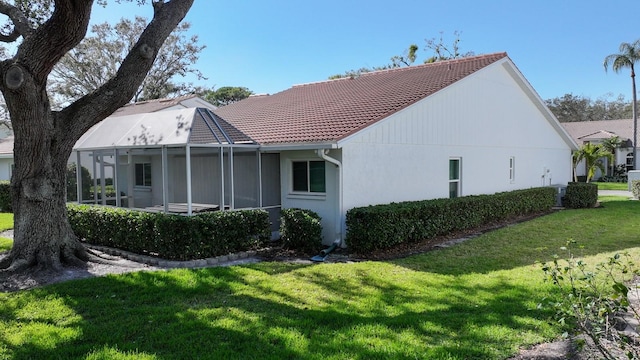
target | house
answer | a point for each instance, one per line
(596, 132)
(6, 152)
(452, 128)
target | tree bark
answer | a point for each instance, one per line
(43, 238)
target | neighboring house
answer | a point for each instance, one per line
(452, 128)
(6, 152)
(596, 132)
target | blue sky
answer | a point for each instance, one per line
(268, 46)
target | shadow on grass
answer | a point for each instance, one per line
(238, 312)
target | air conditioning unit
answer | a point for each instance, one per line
(561, 191)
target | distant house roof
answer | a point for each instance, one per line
(582, 131)
(332, 110)
(170, 127)
(163, 104)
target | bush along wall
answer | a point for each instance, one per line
(384, 226)
(581, 195)
(300, 229)
(172, 237)
(635, 188)
(5, 196)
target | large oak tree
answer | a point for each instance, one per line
(44, 139)
(97, 58)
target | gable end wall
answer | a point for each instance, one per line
(484, 119)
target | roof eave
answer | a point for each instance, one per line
(298, 146)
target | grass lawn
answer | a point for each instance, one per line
(612, 186)
(476, 300)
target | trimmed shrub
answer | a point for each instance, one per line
(5, 196)
(581, 195)
(72, 183)
(300, 229)
(172, 237)
(635, 188)
(384, 226)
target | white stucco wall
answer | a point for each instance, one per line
(5, 167)
(325, 204)
(485, 120)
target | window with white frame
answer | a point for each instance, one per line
(512, 169)
(308, 176)
(454, 177)
(143, 174)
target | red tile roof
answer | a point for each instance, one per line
(332, 110)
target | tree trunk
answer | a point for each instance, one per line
(635, 120)
(42, 235)
(44, 139)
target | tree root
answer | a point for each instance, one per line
(5, 261)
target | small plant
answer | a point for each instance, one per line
(635, 188)
(5, 197)
(581, 195)
(595, 299)
(300, 229)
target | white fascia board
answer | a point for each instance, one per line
(306, 146)
(532, 94)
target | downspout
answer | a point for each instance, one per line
(322, 153)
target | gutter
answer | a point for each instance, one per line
(322, 153)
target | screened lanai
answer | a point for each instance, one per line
(175, 161)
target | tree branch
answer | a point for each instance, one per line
(45, 46)
(20, 22)
(78, 117)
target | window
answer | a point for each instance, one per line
(308, 176)
(143, 174)
(454, 178)
(512, 169)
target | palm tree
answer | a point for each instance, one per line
(611, 144)
(592, 155)
(627, 58)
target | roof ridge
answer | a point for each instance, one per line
(408, 68)
(439, 63)
(177, 98)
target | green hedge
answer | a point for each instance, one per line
(171, 237)
(300, 229)
(581, 195)
(384, 226)
(5, 196)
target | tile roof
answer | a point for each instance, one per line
(582, 131)
(332, 110)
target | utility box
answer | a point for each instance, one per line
(561, 191)
(632, 175)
